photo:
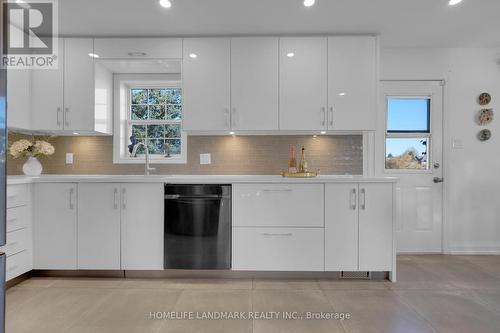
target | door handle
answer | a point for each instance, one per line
(71, 204)
(438, 180)
(115, 197)
(57, 117)
(233, 117)
(323, 113)
(331, 116)
(124, 198)
(353, 199)
(228, 120)
(66, 116)
(268, 234)
(362, 199)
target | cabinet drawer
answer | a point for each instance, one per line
(18, 264)
(17, 241)
(278, 249)
(17, 195)
(278, 205)
(17, 218)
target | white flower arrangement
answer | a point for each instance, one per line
(24, 148)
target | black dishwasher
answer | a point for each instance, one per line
(197, 226)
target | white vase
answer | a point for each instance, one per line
(32, 167)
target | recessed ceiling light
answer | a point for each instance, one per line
(193, 55)
(342, 94)
(75, 133)
(290, 54)
(309, 3)
(454, 2)
(231, 133)
(323, 132)
(165, 3)
(93, 55)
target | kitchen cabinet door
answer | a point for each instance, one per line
(206, 84)
(79, 99)
(352, 83)
(19, 98)
(375, 227)
(142, 226)
(341, 227)
(98, 226)
(303, 80)
(47, 96)
(254, 83)
(54, 228)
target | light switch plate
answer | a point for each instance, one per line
(69, 158)
(206, 158)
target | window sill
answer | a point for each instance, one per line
(152, 161)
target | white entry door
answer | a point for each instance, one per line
(410, 147)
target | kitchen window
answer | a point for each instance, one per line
(149, 112)
(408, 133)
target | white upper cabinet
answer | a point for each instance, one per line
(206, 84)
(352, 82)
(254, 83)
(18, 98)
(78, 85)
(303, 81)
(47, 96)
(139, 48)
(98, 226)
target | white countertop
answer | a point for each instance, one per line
(230, 179)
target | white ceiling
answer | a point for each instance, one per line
(401, 23)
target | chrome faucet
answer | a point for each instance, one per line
(147, 169)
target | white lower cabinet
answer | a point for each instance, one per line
(142, 227)
(99, 226)
(55, 228)
(278, 249)
(359, 227)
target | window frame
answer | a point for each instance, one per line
(122, 99)
(408, 134)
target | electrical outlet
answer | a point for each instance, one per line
(205, 158)
(69, 158)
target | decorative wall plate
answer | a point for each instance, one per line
(485, 116)
(484, 99)
(484, 135)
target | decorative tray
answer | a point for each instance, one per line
(310, 174)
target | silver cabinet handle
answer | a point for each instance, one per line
(353, 199)
(268, 234)
(323, 116)
(71, 204)
(233, 117)
(115, 197)
(331, 116)
(66, 116)
(278, 190)
(362, 199)
(57, 117)
(124, 198)
(228, 118)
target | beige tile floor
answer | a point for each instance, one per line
(434, 293)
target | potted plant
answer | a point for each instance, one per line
(24, 148)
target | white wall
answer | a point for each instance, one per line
(472, 174)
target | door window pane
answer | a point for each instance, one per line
(408, 115)
(406, 153)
